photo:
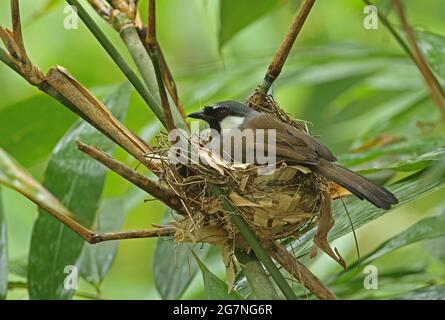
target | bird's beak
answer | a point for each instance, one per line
(197, 115)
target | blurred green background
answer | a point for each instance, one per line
(342, 78)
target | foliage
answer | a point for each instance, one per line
(364, 96)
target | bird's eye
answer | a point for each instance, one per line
(222, 112)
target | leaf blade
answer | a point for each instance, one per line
(78, 182)
(236, 15)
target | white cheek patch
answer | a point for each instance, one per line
(231, 122)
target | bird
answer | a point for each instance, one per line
(293, 146)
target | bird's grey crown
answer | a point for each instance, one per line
(236, 108)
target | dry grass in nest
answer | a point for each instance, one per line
(275, 206)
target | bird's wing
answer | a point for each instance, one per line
(291, 143)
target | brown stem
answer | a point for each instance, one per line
(281, 55)
(154, 54)
(166, 196)
(421, 63)
(300, 272)
(170, 81)
(97, 114)
(147, 233)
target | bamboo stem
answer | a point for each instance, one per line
(257, 277)
(283, 51)
(118, 59)
(256, 246)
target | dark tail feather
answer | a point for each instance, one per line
(358, 185)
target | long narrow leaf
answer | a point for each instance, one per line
(174, 266)
(77, 181)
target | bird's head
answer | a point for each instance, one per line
(223, 115)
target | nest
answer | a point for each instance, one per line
(283, 204)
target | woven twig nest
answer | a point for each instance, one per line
(282, 204)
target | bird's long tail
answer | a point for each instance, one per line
(358, 185)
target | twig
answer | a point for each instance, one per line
(281, 55)
(118, 59)
(300, 272)
(154, 54)
(144, 183)
(418, 57)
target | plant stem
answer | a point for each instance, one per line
(257, 277)
(4, 57)
(253, 242)
(419, 59)
(405, 46)
(153, 49)
(283, 51)
(300, 272)
(118, 59)
(140, 57)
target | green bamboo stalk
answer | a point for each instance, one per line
(257, 277)
(130, 36)
(119, 60)
(253, 242)
(146, 68)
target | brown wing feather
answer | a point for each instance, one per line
(292, 144)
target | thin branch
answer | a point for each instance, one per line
(170, 81)
(405, 47)
(16, 177)
(154, 54)
(421, 63)
(118, 59)
(166, 196)
(300, 272)
(281, 55)
(136, 234)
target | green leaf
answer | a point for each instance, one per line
(95, 260)
(401, 150)
(407, 190)
(427, 228)
(47, 7)
(415, 163)
(427, 293)
(235, 15)
(433, 47)
(3, 253)
(77, 181)
(24, 128)
(174, 267)
(215, 288)
(19, 267)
